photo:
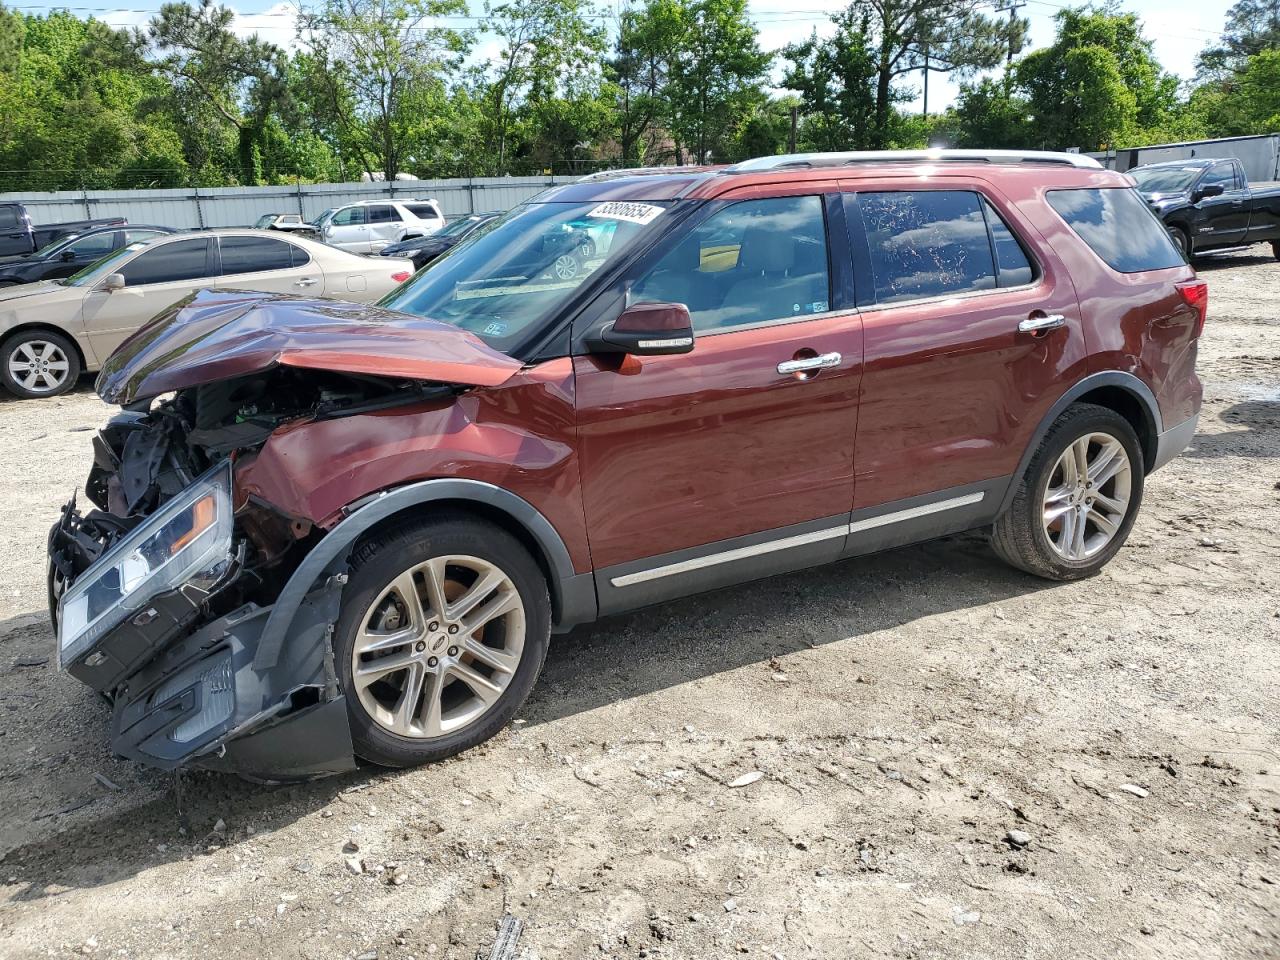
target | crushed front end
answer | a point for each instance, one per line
(204, 614)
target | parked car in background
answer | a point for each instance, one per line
(51, 332)
(1208, 204)
(287, 222)
(323, 532)
(71, 254)
(19, 237)
(370, 225)
(422, 250)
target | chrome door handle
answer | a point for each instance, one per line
(809, 363)
(1038, 324)
(305, 282)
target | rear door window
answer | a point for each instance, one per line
(254, 254)
(927, 243)
(180, 260)
(383, 213)
(1118, 226)
(754, 261)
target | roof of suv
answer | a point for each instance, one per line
(673, 183)
(399, 200)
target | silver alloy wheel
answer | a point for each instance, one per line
(566, 266)
(439, 646)
(38, 366)
(1087, 498)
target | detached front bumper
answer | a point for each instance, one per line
(192, 690)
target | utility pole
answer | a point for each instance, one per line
(1013, 8)
(924, 107)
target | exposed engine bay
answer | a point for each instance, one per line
(155, 449)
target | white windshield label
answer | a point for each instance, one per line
(630, 212)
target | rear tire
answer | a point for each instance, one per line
(1078, 500)
(1275, 249)
(39, 363)
(1182, 240)
(423, 682)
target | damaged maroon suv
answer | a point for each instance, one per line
(322, 531)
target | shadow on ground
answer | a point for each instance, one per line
(608, 662)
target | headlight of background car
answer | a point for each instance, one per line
(187, 539)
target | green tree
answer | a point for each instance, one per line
(647, 42)
(835, 78)
(952, 36)
(371, 63)
(1252, 27)
(988, 114)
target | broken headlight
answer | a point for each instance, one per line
(188, 538)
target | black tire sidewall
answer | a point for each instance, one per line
(1182, 241)
(381, 560)
(74, 368)
(1094, 420)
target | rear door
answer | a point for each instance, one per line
(155, 279)
(268, 264)
(970, 337)
(385, 226)
(15, 236)
(722, 464)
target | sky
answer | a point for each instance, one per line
(1179, 28)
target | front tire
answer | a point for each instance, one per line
(444, 628)
(1182, 240)
(1077, 501)
(39, 363)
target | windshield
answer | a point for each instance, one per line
(102, 268)
(500, 282)
(320, 220)
(265, 220)
(1165, 179)
(457, 227)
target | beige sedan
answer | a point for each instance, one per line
(52, 332)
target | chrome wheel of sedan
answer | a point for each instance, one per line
(38, 366)
(438, 646)
(566, 266)
(1087, 498)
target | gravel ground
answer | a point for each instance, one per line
(907, 711)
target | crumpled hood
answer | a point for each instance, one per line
(218, 334)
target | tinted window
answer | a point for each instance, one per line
(1221, 173)
(381, 213)
(926, 243)
(95, 246)
(132, 236)
(424, 211)
(300, 257)
(1119, 227)
(181, 260)
(254, 254)
(349, 216)
(1014, 267)
(751, 262)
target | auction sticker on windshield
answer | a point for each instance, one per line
(630, 212)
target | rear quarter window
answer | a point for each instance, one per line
(1118, 226)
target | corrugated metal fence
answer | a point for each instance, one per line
(194, 207)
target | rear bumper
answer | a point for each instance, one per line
(1174, 440)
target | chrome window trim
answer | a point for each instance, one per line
(787, 543)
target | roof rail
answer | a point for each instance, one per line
(801, 161)
(640, 172)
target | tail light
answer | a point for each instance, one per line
(1195, 294)
(400, 276)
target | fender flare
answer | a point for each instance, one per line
(1108, 378)
(572, 594)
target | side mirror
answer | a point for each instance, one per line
(1208, 190)
(647, 329)
(68, 255)
(113, 281)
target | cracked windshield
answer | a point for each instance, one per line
(501, 281)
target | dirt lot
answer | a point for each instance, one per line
(906, 711)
